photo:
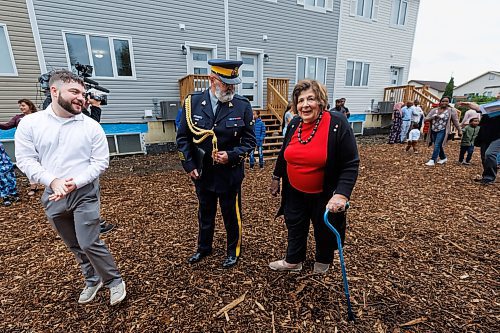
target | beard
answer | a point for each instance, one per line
(68, 106)
(224, 97)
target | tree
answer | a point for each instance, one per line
(448, 91)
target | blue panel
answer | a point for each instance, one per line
(357, 118)
(109, 129)
(8, 134)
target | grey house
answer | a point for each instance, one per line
(150, 54)
(141, 49)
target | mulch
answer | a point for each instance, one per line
(421, 254)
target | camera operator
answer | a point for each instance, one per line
(92, 109)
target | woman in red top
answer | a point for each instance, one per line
(318, 164)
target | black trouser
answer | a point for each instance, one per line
(230, 205)
(300, 208)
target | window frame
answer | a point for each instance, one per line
(491, 77)
(363, 64)
(111, 39)
(353, 11)
(395, 18)
(11, 53)
(307, 56)
(328, 7)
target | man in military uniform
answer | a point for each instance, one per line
(219, 172)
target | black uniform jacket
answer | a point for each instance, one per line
(342, 159)
(234, 128)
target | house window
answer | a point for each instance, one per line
(399, 9)
(317, 5)
(357, 74)
(7, 64)
(366, 9)
(491, 77)
(111, 57)
(311, 68)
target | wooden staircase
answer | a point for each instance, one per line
(274, 137)
(411, 93)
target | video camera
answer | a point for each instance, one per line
(92, 88)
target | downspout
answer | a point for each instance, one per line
(226, 26)
(36, 36)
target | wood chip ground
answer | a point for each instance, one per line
(422, 255)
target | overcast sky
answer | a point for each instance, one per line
(459, 37)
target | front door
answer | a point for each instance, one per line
(396, 76)
(250, 78)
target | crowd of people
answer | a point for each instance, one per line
(480, 127)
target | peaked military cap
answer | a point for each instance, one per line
(226, 70)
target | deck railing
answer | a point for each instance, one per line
(277, 96)
(411, 93)
(191, 83)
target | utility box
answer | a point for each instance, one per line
(385, 107)
(169, 109)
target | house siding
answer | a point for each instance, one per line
(291, 30)
(478, 86)
(14, 15)
(153, 27)
(376, 43)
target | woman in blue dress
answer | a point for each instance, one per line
(8, 190)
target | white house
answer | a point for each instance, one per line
(435, 87)
(486, 84)
(374, 49)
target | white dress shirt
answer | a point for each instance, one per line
(416, 114)
(50, 147)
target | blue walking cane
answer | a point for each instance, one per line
(350, 314)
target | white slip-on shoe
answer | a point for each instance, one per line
(430, 163)
(117, 293)
(320, 268)
(88, 293)
(282, 265)
(443, 161)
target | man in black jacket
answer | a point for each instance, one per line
(216, 166)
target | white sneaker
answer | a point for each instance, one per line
(443, 161)
(430, 163)
(282, 265)
(321, 268)
(117, 293)
(88, 293)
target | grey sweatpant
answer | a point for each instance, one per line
(76, 220)
(489, 159)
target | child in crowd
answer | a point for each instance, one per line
(413, 137)
(469, 134)
(260, 134)
(8, 190)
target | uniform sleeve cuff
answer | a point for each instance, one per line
(188, 166)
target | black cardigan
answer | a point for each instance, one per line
(342, 159)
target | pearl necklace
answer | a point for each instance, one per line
(299, 135)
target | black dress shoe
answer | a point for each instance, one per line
(197, 257)
(230, 261)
